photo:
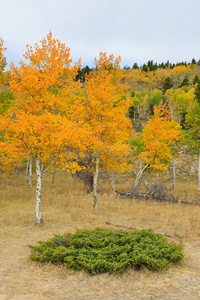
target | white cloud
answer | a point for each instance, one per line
(138, 30)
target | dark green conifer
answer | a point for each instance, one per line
(197, 92)
(196, 79)
(185, 82)
(168, 84)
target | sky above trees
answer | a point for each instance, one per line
(138, 30)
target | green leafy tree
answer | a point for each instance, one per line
(181, 101)
(7, 99)
(155, 99)
(192, 136)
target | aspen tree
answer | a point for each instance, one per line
(105, 112)
(40, 125)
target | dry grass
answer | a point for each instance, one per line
(65, 207)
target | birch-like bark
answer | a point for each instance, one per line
(95, 181)
(27, 167)
(30, 172)
(157, 178)
(139, 174)
(172, 113)
(174, 172)
(113, 181)
(199, 172)
(38, 217)
(149, 181)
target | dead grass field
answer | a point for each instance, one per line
(66, 207)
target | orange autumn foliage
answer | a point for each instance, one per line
(40, 126)
(105, 113)
(3, 64)
(44, 86)
(158, 137)
(46, 80)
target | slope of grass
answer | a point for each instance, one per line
(66, 208)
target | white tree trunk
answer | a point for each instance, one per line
(172, 113)
(157, 178)
(30, 172)
(139, 174)
(174, 173)
(16, 170)
(113, 181)
(149, 181)
(95, 181)
(38, 217)
(27, 167)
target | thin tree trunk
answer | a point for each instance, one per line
(149, 181)
(138, 176)
(174, 173)
(157, 178)
(95, 181)
(38, 217)
(172, 113)
(30, 172)
(27, 167)
(16, 170)
(113, 181)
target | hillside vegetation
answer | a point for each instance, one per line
(66, 208)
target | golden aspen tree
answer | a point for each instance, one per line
(191, 136)
(40, 126)
(157, 140)
(3, 63)
(181, 101)
(105, 114)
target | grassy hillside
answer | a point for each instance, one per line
(65, 208)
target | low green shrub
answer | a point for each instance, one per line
(108, 250)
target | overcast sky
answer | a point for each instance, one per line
(138, 30)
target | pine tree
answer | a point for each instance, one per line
(168, 84)
(197, 92)
(185, 82)
(196, 79)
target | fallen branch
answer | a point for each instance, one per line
(157, 193)
(121, 226)
(129, 228)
